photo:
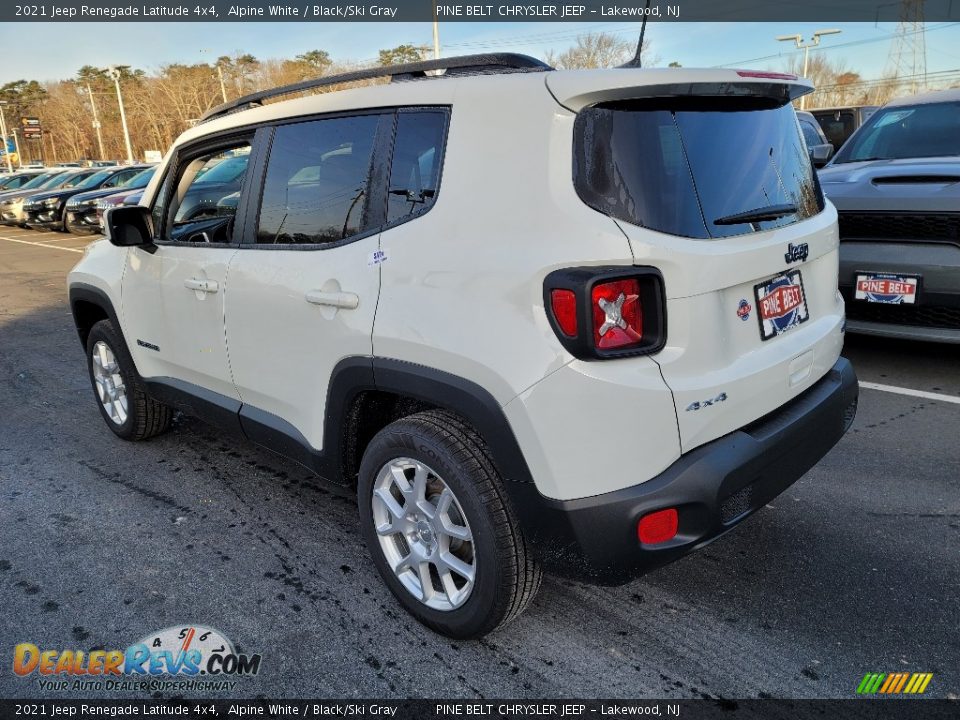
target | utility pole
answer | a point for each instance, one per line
(96, 122)
(814, 41)
(3, 129)
(115, 74)
(436, 33)
(223, 85)
(53, 147)
(219, 69)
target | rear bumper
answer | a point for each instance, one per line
(936, 314)
(713, 488)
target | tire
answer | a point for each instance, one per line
(118, 389)
(452, 456)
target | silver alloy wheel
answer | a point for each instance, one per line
(111, 388)
(424, 534)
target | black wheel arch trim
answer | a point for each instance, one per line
(465, 398)
(83, 292)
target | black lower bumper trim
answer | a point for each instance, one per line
(713, 488)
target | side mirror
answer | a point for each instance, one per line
(129, 225)
(821, 154)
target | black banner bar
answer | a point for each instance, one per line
(478, 11)
(710, 709)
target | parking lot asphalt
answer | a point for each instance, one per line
(854, 569)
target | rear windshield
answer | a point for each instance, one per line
(906, 131)
(679, 166)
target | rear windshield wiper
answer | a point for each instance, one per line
(771, 212)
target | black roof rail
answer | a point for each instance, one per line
(485, 64)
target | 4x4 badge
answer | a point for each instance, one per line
(707, 403)
(796, 253)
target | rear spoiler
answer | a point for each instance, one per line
(576, 90)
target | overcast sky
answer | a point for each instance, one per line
(51, 51)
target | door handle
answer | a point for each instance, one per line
(345, 300)
(207, 286)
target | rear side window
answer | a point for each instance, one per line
(688, 167)
(415, 172)
(316, 186)
(837, 126)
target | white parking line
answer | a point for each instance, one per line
(912, 393)
(43, 245)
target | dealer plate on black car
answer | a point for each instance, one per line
(887, 288)
(781, 304)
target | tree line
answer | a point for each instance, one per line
(163, 103)
(159, 105)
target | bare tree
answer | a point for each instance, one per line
(597, 50)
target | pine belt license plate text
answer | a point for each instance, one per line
(887, 288)
(781, 304)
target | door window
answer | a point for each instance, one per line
(200, 199)
(317, 181)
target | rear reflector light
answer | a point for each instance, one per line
(617, 314)
(658, 527)
(564, 305)
(765, 74)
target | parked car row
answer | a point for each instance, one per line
(68, 198)
(896, 186)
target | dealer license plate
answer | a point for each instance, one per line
(887, 288)
(781, 304)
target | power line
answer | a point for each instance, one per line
(851, 43)
(939, 75)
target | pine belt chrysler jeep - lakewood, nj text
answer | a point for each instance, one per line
(585, 321)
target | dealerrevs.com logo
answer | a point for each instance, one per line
(191, 657)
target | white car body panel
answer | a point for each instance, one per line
(284, 348)
(185, 325)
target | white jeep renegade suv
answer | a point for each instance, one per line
(580, 320)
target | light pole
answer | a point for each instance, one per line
(3, 129)
(436, 33)
(814, 41)
(16, 145)
(96, 122)
(115, 74)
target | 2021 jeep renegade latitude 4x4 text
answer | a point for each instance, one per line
(584, 321)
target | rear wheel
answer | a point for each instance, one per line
(437, 523)
(121, 395)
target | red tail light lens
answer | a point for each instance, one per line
(658, 527)
(617, 314)
(564, 306)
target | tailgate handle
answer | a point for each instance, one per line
(345, 300)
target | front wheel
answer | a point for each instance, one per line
(437, 523)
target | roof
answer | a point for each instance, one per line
(486, 64)
(505, 79)
(935, 96)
